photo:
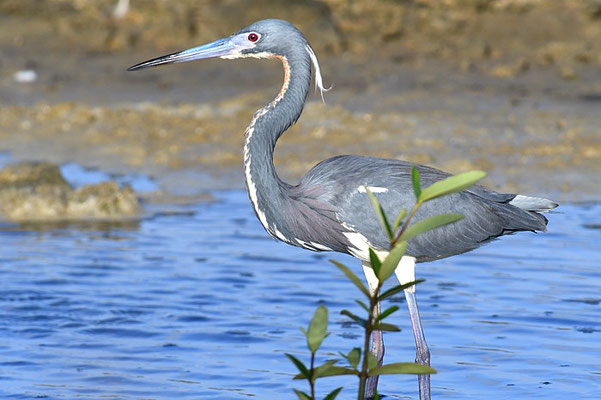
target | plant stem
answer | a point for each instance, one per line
(311, 372)
(363, 375)
(373, 303)
(405, 225)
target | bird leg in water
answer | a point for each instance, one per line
(422, 355)
(377, 349)
(377, 344)
(405, 272)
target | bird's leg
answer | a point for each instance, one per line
(377, 344)
(422, 355)
(405, 272)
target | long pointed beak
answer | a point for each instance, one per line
(218, 48)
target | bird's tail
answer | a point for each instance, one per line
(535, 204)
(527, 214)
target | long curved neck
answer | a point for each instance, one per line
(265, 187)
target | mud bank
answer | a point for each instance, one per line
(456, 85)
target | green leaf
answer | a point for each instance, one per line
(334, 370)
(429, 224)
(372, 361)
(392, 260)
(415, 181)
(317, 328)
(399, 288)
(380, 212)
(352, 277)
(452, 184)
(353, 357)
(332, 395)
(355, 318)
(363, 305)
(381, 326)
(299, 364)
(401, 368)
(399, 219)
(386, 313)
(375, 261)
(323, 369)
(376, 395)
(302, 395)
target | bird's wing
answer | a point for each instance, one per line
(487, 214)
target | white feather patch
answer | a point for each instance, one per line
(320, 246)
(360, 245)
(279, 234)
(318, 78)
(532, 203)
(405, 271)
(252, 188)
(370, 276)
(233, 56)
(373, 189)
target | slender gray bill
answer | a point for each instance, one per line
(218, 48)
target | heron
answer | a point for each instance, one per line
(328, 209)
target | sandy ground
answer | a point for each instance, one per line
(457, 92)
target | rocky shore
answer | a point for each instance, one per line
(509, 86)
(38, 192)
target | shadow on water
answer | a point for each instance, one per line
(202, 304)
(592, 226)
(83, 226)
(591, 97)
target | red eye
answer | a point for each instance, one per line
(253, 37)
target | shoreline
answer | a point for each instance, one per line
(533, 125)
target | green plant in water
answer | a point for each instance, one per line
(361, 362)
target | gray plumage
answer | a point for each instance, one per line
(327, 203)
(487, 214)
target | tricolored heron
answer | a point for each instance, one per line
(328, 210)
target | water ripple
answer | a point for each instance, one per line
(202, 304)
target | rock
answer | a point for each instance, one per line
(37, 191)
(568, 73)
(103, 200)
(510, 70)
(31, 174)
(25, 76)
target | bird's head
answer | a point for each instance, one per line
(269, 38)
(263, 39)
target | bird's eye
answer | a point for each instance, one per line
(253, 37)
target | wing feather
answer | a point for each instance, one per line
(487, 214)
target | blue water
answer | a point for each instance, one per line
(78, 176)
(201, 304)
